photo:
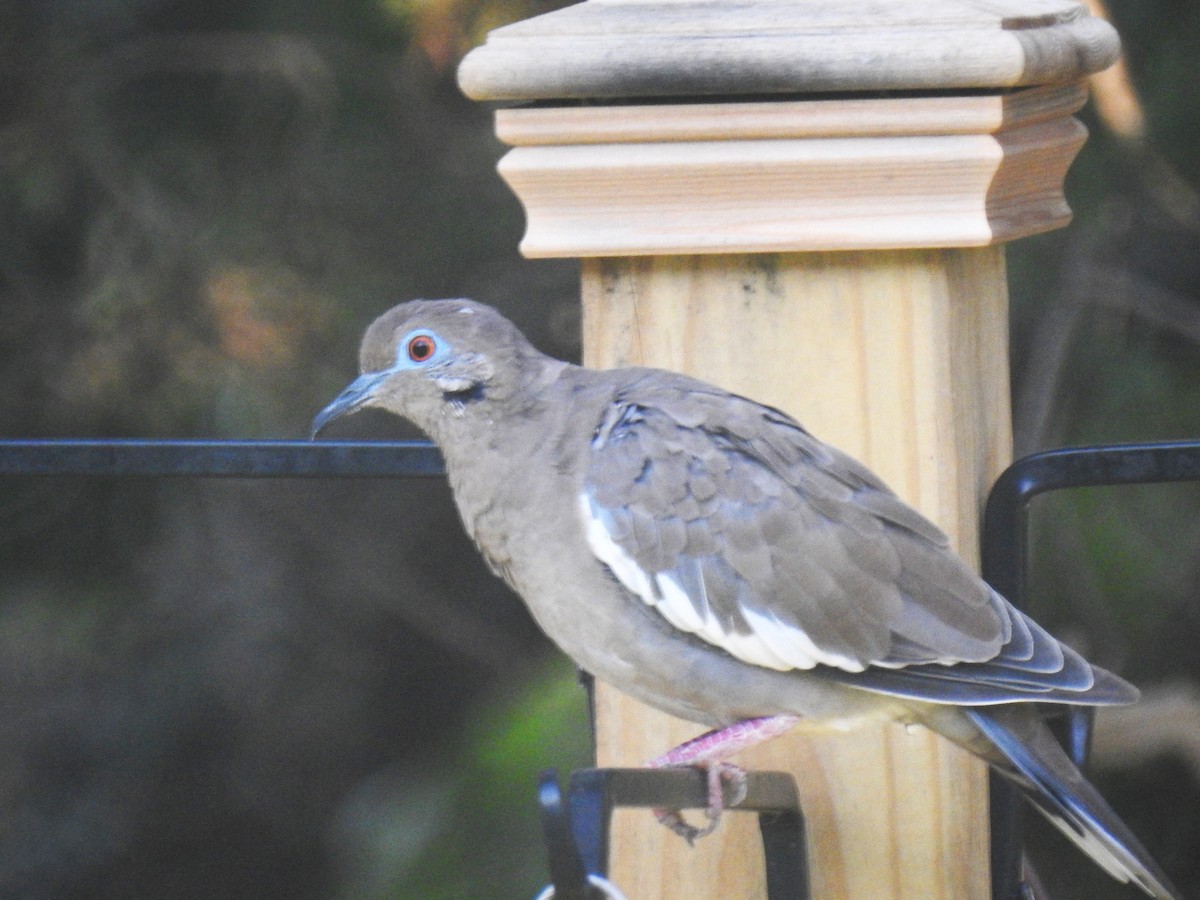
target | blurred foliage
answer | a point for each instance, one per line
(483, 835)
(251, 690)
(1106, 349)
(201, 198)
(201, 206)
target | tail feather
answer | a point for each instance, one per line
(1060, 792)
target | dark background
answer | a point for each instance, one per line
(315, 690)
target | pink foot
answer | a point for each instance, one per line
(709, 752)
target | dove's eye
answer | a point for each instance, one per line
(421, 347)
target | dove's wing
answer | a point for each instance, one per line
(738, 526)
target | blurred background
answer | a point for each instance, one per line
(314, 690)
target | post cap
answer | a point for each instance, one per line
(695, 48)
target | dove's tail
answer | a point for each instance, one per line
(1058, 789)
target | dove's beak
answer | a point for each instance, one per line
(357, 394)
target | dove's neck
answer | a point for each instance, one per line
(497, 418)
(499, 454)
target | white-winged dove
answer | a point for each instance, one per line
(707, 555)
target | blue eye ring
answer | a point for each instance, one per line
(421, 347)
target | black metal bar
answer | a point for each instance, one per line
(785, 849)
(1005, 566)
(1005, 808)
(223, 459)
(1081, 721)
(1005, 521)
(567, 871)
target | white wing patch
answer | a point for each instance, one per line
(770, 643)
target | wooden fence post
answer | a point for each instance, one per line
(805, 201)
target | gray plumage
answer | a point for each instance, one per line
(707, 555)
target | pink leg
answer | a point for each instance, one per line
(720, 743)
(709, 752)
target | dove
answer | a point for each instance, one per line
(707, 555)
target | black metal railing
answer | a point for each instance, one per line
(221, 459)
(577, 825)
(1005, 564)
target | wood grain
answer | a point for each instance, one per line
(900, 358)
(810, 118)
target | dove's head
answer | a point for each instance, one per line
(427, 359)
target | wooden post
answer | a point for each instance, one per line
(835, 252)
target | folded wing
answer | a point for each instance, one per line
(739, 527)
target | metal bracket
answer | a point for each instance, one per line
(577, 826)
(1005, 542)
